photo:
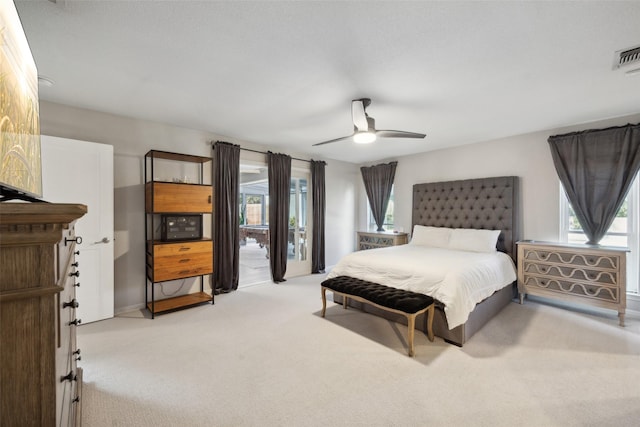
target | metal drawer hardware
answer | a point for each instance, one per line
(75, 264)
(77, 285)
(73, 304)
(76, 253)
(69, 377)
(76, 400)
(75, 273)
(77, 353)
(104, 240)
(76, 239)
(75, 322)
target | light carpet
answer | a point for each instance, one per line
(263, 356)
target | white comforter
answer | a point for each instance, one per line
(458, 279)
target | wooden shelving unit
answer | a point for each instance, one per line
(174, 258)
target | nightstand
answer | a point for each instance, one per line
(380, 239)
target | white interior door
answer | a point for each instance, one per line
(82, 172)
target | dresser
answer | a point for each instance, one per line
(583, 274)
(40, 383)
(380, 239)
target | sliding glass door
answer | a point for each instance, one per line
(298, 256)
(253, 202)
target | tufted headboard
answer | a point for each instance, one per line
(485, 203)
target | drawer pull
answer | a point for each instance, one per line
(76, 400)
(75, 322)
(184, 249)
(75, 273)
(76, 285)
(76, 253)
(185, 272)
(69, 377)
(209, 199)
(76, 239)
(185, 260)
(76, 264)
(73, 304)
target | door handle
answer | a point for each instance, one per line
(104, 240)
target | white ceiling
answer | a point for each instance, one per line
(283, 74)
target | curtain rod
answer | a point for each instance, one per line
(262, 152)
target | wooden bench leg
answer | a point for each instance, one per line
(411, 326)
(324, 300)
(430, 312)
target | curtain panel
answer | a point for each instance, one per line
(279, 174)
(596, 169)
(226, 219)
(318, 205)
(378, 181)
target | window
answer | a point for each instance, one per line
(623, 232)
(388, 216)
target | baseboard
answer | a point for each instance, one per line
(121, 310)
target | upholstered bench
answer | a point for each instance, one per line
(407, 303)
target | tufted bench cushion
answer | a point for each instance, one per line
(408, 303)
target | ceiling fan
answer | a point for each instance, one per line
(364, 127)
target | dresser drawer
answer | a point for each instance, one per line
(590, 260)
(571, 273)
(585, 289)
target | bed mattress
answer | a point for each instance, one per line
(457, 279)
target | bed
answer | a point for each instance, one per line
(485, 204)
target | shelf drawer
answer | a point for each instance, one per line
(172, 268)
(183, 248)
(176, 260)
(178, 198)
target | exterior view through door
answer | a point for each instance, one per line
(253, 201)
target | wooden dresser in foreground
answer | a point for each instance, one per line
(40, 384)
(584, 274)
(380, 239)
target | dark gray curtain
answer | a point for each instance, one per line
(279, 174)
(318, 205)
(226, 220)
(596, 168)
(378, 181)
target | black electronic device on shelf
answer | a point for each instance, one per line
(181, 227)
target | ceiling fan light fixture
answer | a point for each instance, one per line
(364, 137)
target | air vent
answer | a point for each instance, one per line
(626, 57)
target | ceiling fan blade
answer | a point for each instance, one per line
(359, 115)
(398, 134)
(333, 140)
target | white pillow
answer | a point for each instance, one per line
(434, 237)
(466, 239)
